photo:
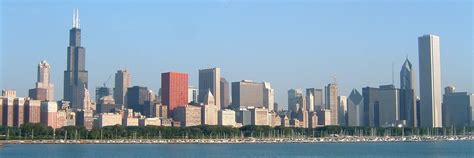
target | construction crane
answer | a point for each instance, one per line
(107, 81)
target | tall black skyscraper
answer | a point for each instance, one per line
(75, 76)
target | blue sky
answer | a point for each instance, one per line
(292, 44)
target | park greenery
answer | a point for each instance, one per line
(37, 132)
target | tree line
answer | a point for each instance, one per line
(37, 132)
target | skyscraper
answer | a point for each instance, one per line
(44, 88)
(123, 80)
(225, 96)
(76, 75)
(174, 90)
(136, 98)
(268, 96)
(388, 110)
(355, 109)
(317, 98)
(408, 94)
(331, 102)
(294, 99)
(342, 105)
(210, 80)
(430, 81)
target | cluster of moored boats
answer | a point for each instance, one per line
(338, 139)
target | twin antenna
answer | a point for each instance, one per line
(75, 19)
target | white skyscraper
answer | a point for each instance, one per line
(430, 81)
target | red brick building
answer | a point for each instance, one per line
(174, 90)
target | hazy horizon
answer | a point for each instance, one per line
(299, 44)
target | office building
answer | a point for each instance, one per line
(331, 102)
(188, 115)
(342, 106)
(408, 94)
(225, 93)
(109, 119)
(44, 88)
(388, 106)
(259, 116)
(49, 110)
(371, 106)
(174, 88)
(355, 109)
(102, 92)
(192, 94)
(294, 99)
(137, 97)
(457, 108)
(226, 117)
(430, 81)
(247, 93)
(123, 81)
(76, 75)
(268, 96)
(210, 80)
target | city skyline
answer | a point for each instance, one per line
(143, 79)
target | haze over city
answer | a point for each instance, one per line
(290, 44)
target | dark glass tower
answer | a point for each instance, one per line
(75, 76)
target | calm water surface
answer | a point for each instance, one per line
(456, 149)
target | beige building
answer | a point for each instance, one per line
(49, 113)
(285, 121)
(324, 117)
(33, 111)
(109, 119)
(331, 102)
(227, 117)
(123, 81)
(259, 116)
(130, 121)
(44, 89)
(209, 110)
(150, 121)
(274, 119)
(18, 111)
(188, 115)
(8, 93)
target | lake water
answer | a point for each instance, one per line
(456, 149)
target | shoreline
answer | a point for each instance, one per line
(343, 139)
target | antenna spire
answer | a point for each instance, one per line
(73, 19)
(78, 25)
